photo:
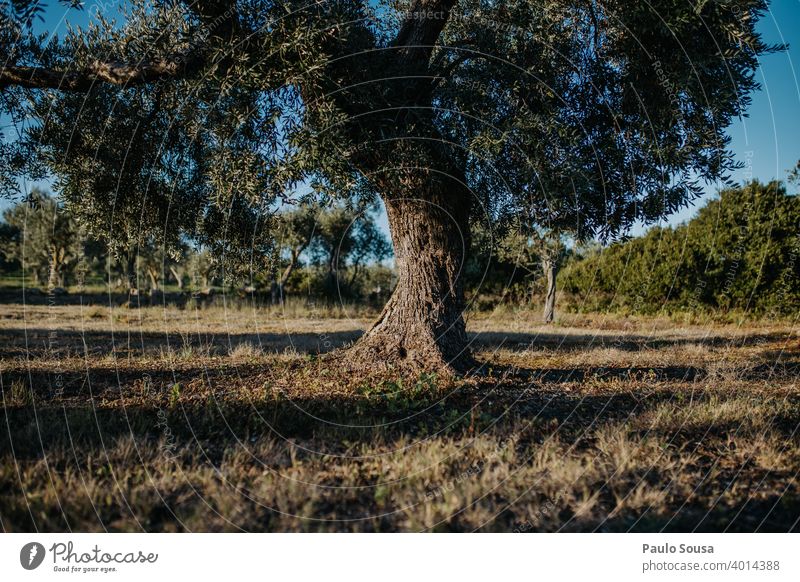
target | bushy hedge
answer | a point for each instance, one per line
(741, 252)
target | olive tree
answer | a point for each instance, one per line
(347, 238)
(295, 229)
(194, 118)
(46, 243)
(536, 252)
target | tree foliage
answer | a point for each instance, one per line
(45, 241)
(741, 251)
(587, 115)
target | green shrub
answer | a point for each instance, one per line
(740, 253)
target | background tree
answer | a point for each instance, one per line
(345, 238)
(202, 269)
(156, 264)
(150, 261)
(178, 265)
(295, 229)
(552, 251)
(538, 253)
(748, 236)
(9, 236)
(556, 111)
(47, 243)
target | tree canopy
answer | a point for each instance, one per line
(595, 114)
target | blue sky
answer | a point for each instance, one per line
(768, 141)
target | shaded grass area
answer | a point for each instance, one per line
(692, 430)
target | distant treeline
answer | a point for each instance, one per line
(335, 252)
(741, 252)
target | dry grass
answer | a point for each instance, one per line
(167, 420)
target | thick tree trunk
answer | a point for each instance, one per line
(422, 326)
(550, 268)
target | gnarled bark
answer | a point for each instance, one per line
(422, 326)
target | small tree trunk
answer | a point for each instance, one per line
(550, 268)
(422, 326)
(354, 274)
(280, 284)
(178, 277)
(274, 293)
(53, 278)
(130, 273)
(153, 276)
(333, 273)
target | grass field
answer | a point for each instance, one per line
(235, 419)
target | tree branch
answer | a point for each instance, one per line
(113, 73)
(220, 18)
(421, 28)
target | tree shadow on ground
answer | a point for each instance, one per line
(645, 373)
(569, 341)
(39, 341)
(219, 408)
(216, 429)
